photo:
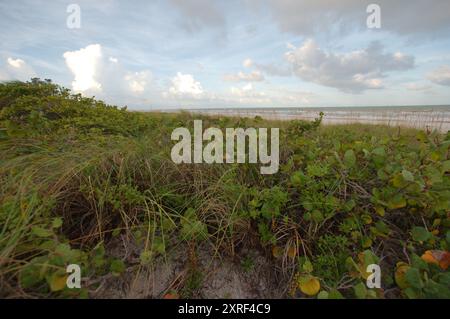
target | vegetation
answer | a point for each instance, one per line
(76, 173)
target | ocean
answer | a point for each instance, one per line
(421, 117)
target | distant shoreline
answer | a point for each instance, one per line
(315, 108)
(419, 117)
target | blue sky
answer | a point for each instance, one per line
(249, 53)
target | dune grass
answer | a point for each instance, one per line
(76, 173)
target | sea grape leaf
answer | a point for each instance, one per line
(349, 158)
(420, 234)
(407, 176)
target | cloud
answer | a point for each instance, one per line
(244, 91)
(247, 95)
(351, 72)
(418, 87)
(16, 63)
(308, 18)
(268, 68)
(292, 98)
(95, 73)
(184, 85)
(16, 69)
(247, 63)
(441, 75)
(274, 69)
(137, 81)
(199, 13)
(255, 76)
(84, 65)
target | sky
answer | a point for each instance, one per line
(249, 53)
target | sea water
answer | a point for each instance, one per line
(421, 117)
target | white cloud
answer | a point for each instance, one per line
(247, 63)
(274, 69)
(100, 74)
(351, 72)
(137, 81)
(247, 87)
(441, 75)
(84, 65)
(246, 90)
(292, 98)
(417, 87)
(254, 76)
(185, 85)
(247, 95)
(369, 81)
(16, 63)
(16, 69)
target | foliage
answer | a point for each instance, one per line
(76, 173)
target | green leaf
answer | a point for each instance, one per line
(307, 266)
(350, 205)
(422, 136)
(191, 227)
(433, 174)
(322, 295)
(379, 156)
(366, 242)
(317, 216)
(158, 245)
(98, 258)
(411, 293)
(407, 176)
(349, 158)
(65, 251)
(317, 170)
(412, 276)
(335, 294)
(398, 181)
(41, 232)
(445, 167)
(116, 232)
(369, 258)
(437, 290)
(382, 227)
(366, 219)
(360, 291)
(398, 201)
(418, 263)
(297, 179)
(117, 267)
(420, 234)
(30, 275)
(57, 222)
(145, 257)
(380, 151)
